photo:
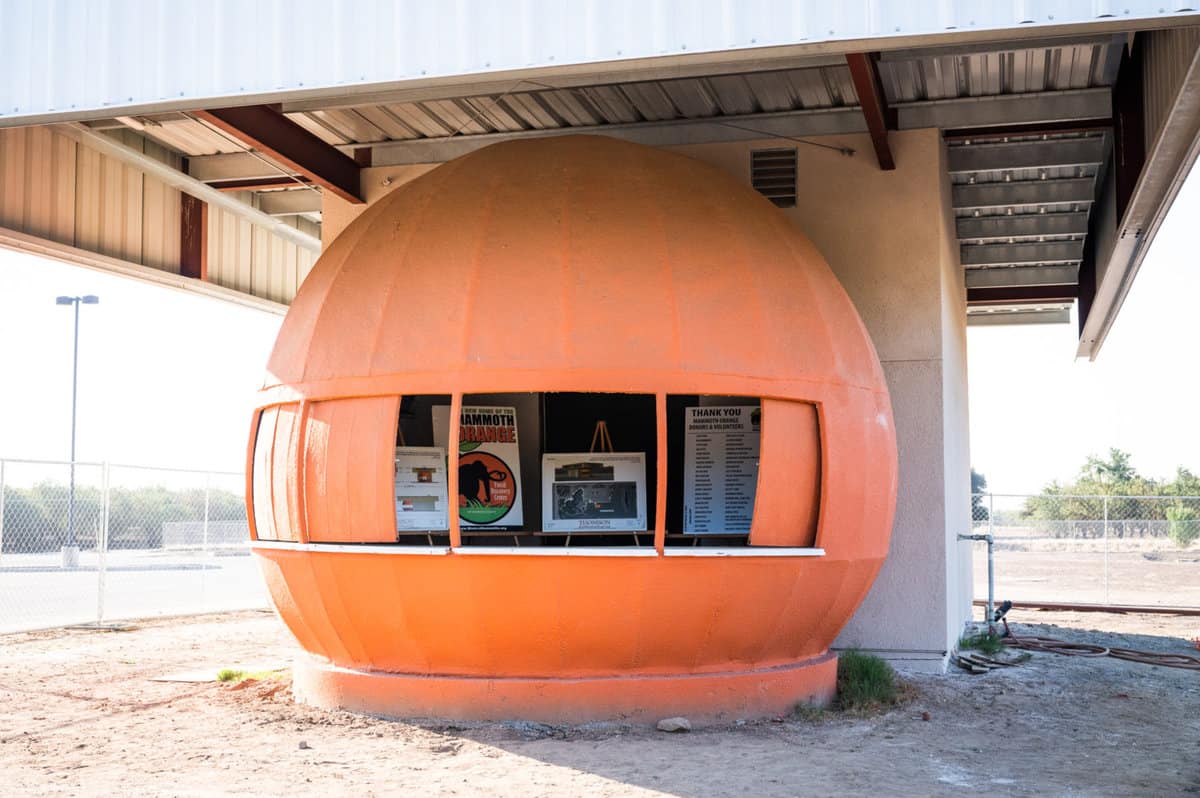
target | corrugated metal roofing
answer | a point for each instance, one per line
(1014, 71)
(536, 105)
(1056, 67)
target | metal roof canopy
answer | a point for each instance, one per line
(144, 56)
(1031, 96)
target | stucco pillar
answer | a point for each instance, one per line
(889, 237)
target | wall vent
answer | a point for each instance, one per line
(773, 174)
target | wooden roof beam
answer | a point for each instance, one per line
(864, 71)
(267, 130)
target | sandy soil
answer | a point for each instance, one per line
(79, 715)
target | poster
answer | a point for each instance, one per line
(720, 469)
(420, 489)
(594, 491)
(489, 465)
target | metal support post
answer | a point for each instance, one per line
(71, 550)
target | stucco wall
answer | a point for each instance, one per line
(889, 237)
(955, 425)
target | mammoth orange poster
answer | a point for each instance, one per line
(489, 467)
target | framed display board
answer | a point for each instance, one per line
(594, 491)
(489, 465)
(420, 489)
(720, 469)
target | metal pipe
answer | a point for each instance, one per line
(991, 605)
(185, 183)
(991, 599)
(1113, 608)
(74, 396)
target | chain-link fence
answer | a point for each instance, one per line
(98, 542)
(1118, 550)
(144, 541)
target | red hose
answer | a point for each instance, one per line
(1053, 646)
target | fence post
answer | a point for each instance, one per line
(102, 543)
(1105, 549)
(204, 539)
(1, 510)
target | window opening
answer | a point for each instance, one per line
(599, 469)
(534, 469)
(712, 469)
(420, 473)
(260, 482)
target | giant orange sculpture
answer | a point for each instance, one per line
(577, 264)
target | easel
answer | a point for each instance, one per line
(601, 436)
(602, 439)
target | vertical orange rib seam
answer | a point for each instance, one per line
(452, 471)
(660, 488)
(301, 487)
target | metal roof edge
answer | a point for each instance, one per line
(1167, 165)
(294, 89)
(64, 253)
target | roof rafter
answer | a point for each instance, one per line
(864, 71)
(266, 129)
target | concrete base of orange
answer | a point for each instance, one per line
(708, 697)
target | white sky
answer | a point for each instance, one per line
(1036, 413)
(167, 378)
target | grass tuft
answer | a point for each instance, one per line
(865, 682)
(986, 642)
(234, 675)
(809, 713)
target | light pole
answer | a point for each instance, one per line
(70, 551)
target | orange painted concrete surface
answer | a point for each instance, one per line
(634, 699)
(572, 264)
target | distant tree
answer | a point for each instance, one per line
(1113, 475)
(36, 518)
(1116, 471)
(27, 526)
(1185, 483)
(1111, 488)
(1183, 523)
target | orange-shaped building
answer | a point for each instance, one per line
(576, 279)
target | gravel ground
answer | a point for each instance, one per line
(80, 714)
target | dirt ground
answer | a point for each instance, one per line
(80, 715)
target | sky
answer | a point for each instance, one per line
(167, 378)
(1037, 413)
